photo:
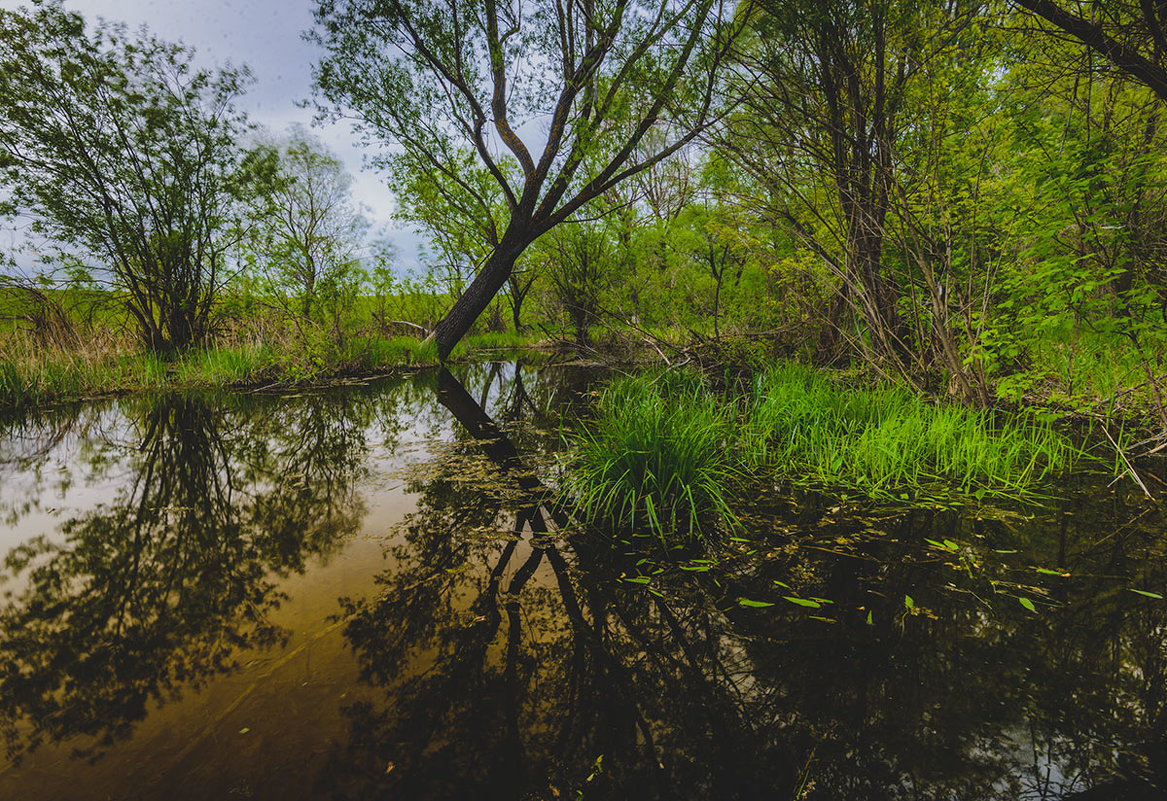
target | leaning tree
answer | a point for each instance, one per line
(122, 151)
(554, 98)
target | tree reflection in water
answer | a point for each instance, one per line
(527, 666)
(507, 654)
(162, 586)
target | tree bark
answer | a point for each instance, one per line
(490, 279)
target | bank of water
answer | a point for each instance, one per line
(365, 592)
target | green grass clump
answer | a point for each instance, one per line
(665, 453)
(217, 367)
(655, 457)
(888, 441)
(16, 392)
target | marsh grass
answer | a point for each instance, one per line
(378, 353)
(493, 340)
(656, 457)
(32, 374)
(667, 454)
(889, 442)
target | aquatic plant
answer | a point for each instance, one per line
(665, 453)
(657, 457)
(888, 441)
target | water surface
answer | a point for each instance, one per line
(366, 592)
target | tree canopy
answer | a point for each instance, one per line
(586, 80)
(123, 151)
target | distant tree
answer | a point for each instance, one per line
(120, 148)
(442, 80)
(576, 259)
(306, 229)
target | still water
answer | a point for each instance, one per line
(364, 593)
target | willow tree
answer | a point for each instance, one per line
(567, 90)
(124, 152)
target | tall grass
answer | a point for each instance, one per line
(888, 441)
(378, 353)
(666, 453)
(656, 457)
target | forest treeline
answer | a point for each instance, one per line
(966, 197)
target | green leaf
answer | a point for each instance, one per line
(1154, 595)
(1028, 604)
(755, 604)
(802, 601)
(638, 580)
(908, 602)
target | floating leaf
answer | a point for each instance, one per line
(869, 621)
(802, 601)
(748, 602)
(1154, 595)
(1004, 550)
(908, 602)
(1049, 572)
(1028, 604)
(781, 583)
(638, 580)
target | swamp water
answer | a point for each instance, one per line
(361, 593)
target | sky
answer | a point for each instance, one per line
(266, 36)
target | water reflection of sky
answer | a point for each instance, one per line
(362, 592)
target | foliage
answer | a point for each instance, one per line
(658, 457)
(576, 261)
(665, 453)
(125, 152)
(305, 231)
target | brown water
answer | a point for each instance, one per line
(363, 593)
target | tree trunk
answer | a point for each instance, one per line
(516, 313)
(493, 276)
